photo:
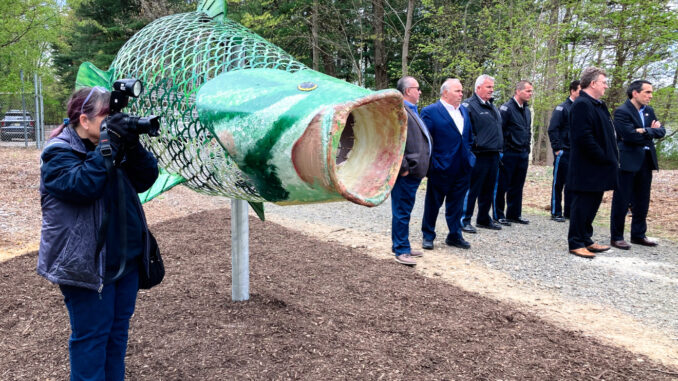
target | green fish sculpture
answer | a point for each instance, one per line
(242, 119)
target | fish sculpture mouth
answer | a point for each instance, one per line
(366, 141)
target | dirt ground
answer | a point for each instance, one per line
(318, 309)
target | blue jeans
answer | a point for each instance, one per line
(99, 326)
(402, 201)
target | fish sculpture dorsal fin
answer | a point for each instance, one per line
(215, 9)
(90, 76)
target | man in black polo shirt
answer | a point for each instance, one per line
(559, 135)
(487, 144)
(593, 161)
(516, 124)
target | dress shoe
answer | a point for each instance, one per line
(416, 254)
(468, 228)
(621, 244)
(458, 242)
(491, 225)
(519, 220)
(558, 218)
(504, 221)
(405, 259)
(583, 252)
(426, 244)
(596, 248)
(644, 242)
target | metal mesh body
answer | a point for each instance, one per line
(174, 56)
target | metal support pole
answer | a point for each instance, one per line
(240, 251)
(23, 107)
(42, 117)
(36, 120)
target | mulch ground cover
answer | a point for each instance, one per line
(317, 311)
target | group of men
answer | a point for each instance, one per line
(471, 150)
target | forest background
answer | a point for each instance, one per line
(373, 43)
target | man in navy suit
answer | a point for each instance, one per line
(636, 127)
(413, 168)
(451, 163)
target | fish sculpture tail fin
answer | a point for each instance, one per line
(167, 181)
(215, 9)
(90, 76)
(164, 182)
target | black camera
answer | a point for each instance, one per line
(122, 90)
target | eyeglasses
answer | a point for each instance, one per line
(98, 89)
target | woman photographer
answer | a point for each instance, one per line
(98, 277)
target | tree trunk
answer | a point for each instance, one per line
(380, 74)
(406, 38)
(314, 36)
(541, 151)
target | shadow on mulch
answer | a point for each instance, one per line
(317, 311)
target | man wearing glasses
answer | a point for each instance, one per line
(593, 162)
(413, 168)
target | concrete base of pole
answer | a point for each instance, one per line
(240, 251)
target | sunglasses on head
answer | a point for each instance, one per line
(98, 89)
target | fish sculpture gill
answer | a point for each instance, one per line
(243, 119)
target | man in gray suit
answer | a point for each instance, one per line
(413, 168)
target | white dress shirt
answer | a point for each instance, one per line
(455, 113)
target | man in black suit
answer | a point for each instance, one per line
(413, 168)
(636, 127)
(593, 161)
(559, 135)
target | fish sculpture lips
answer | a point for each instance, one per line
(241, 118)
(361, 166)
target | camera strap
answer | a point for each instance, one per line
(122, 212)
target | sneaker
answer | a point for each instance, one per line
(416, 254)
(405, 259)
(558, 218)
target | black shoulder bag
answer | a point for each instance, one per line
(156, 267)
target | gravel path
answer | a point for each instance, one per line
(642, 282)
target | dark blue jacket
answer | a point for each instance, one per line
(486, 125)
(74, 192)
(516, 124)
(632, 145)
(593, 152)
(452, 154)
(559, 127)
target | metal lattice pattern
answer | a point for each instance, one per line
(174, 56)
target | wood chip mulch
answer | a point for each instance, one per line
(317, 311)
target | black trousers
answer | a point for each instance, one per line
(510, 186)
(561, 164)
(483, 177)
(634, 188)
(584, 209)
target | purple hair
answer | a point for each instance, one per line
(87, 100)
